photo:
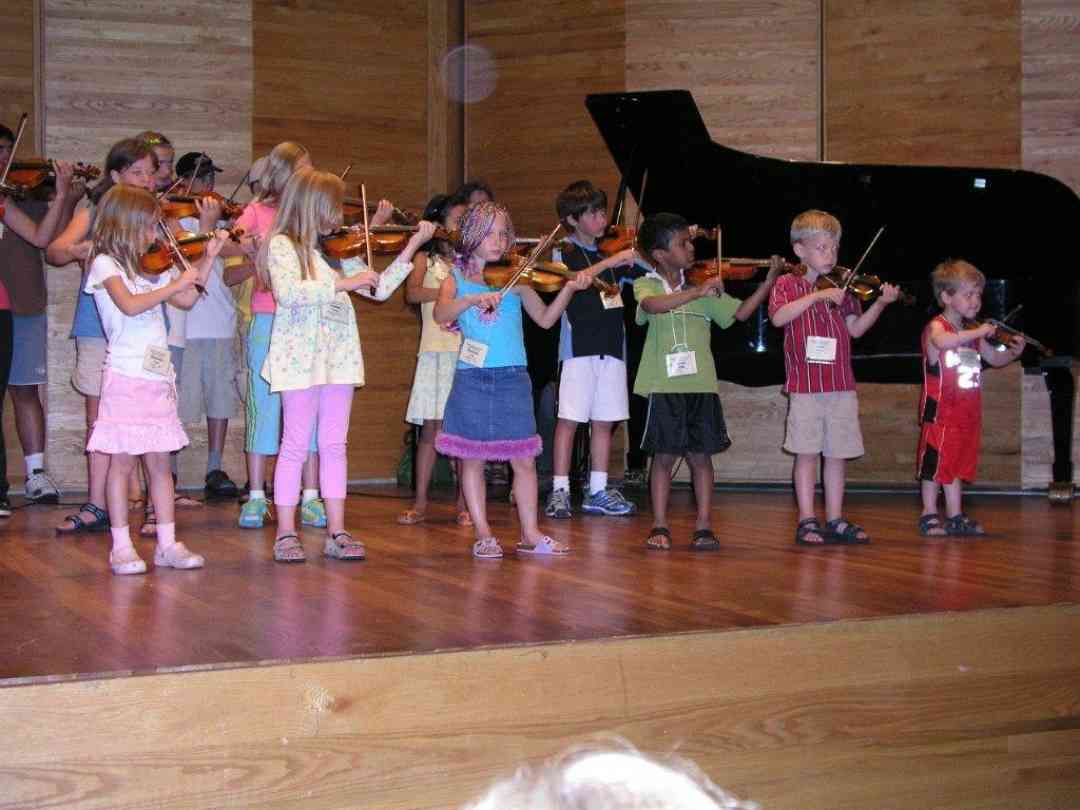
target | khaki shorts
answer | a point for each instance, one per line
(89, 365)
(824, 423)
(206, 383)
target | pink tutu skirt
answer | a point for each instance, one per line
(136, 416)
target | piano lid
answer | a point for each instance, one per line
(1018, 227)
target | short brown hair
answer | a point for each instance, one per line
(951, 274)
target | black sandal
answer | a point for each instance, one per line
(810, 525)
(659, 539)
(927, 524)
(704, 540)
(849, 535)
(963, 526)
(100, 523)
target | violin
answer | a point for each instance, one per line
(160, 256)
(25, 176)
(178, 206)
(1005, 337)
(542, 276)
(351, 241)
(615, 239)
(863, 286)
(731, 269)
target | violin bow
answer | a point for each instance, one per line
(367, 229)
(162, 195)
(543, 245)
(195, 173)
(179, 253)
(345, 173)
(858, 264)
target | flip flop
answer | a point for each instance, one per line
(410, 517)
(704, 540)
(659, 539)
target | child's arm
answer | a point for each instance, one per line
(72, 244)
(751, 304)
(39, 234)
(415, 291)
(448, 308)
(545, 315)
(993, 356)
(657, 304)
(390, 278)
(132, 304)
(793, 309)
(858, 326)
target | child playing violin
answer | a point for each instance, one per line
(677, 372)
(823, 409)
(489, 414)
(592, 345)
(137, 414)
(950, 409)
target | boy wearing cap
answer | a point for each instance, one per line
(205, 378)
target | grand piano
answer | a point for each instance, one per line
(1016, 226)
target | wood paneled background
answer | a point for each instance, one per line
(984, 82)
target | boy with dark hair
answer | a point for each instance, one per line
(592, 348)
(678, 373)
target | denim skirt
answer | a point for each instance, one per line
(489, 415)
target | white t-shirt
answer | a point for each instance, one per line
(129, 336)
(214, 314)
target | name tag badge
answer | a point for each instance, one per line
(337, 312)
(473, 353)
(613, 301)
(681, 364)
(820, 349)
(157, 361)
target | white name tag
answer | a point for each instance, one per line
(613, 301)
(681, 364)
(473, 353)
(337, 312)
(157, 361)
(820, 349)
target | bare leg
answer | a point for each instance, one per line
(806, 465)
(461, 505)
(600, 446)
(116, 489)
(29, 418)
(215, 434)
(425, 463)
(953, 496)
(929, 491)
(660, 487)
(525, 498)
(703, 476)
(256, 469)
(563, 447)
(475, 490)
(160, 484)
(335, 516)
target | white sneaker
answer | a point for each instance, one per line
(41, 489)
(126, 562)
(177, 556)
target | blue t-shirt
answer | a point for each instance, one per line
(87, 320)
(499, 331)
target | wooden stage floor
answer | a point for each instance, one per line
(64, 616)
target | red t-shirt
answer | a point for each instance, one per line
(952, 387)
(819, 320)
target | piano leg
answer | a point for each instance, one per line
(1062, 389)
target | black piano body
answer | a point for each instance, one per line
(1018, 227)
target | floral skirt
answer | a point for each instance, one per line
(136, 416)
(431, 386)
(489, 415)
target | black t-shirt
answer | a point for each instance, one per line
(588, 329)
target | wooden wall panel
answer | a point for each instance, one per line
(533, 136)
(753, 67)
(113, 69)
(351, 84)
(1050, 106)
(933, 82)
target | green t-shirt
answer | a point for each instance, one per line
(689, 325)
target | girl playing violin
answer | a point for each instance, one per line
(137, 412)
(437, 357)
(489, 414)
(314, 358)
(130, 162)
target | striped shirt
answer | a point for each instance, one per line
(819, 320)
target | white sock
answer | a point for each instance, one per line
(597, 482)
(561, 482)
(166, 534)
(34, 462)
(121, 537)
(309, 495)
(257, 495)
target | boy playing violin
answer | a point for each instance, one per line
(678, 373)
(950, 410)
(823, 410)
(592, 348)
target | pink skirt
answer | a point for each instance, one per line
(136, 416)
